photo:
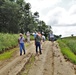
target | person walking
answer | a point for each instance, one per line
(52, 37)
(21, 41)
(38, 43)
(43, 38)
(40, 35)
(35, 34)
(28, 36)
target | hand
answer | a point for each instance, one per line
(41, 42)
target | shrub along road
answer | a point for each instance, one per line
(50, 62)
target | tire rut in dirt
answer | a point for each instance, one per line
(61, 67)
(49, 63)
(43, 63)
(15, 65)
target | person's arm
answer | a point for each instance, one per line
(41, 39)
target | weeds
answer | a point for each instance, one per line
(68, 48)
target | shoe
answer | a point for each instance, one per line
(20, 54)
(36, 53)
(24, 53)
(40, 52)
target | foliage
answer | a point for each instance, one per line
(16, 16)
(8, 41)
(7, 54)
(67, 49)
(71, 43)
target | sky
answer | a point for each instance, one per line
(59, 14)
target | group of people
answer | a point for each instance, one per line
(38, 37)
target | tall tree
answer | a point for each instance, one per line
(27, 17)
(9, 17)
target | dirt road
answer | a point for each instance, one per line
(50, 62)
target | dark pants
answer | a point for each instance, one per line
(38, 45)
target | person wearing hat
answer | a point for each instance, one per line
(38, 43)
(21, 41)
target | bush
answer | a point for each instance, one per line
(7, 41)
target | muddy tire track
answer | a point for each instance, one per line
(50, 62)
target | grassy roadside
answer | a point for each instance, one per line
(67, 52)
(8, 41)
(8, 54)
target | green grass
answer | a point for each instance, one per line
(7, 54)
(71, 43)
(67, 52)
(9, 40)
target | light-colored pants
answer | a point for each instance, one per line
(28, 39)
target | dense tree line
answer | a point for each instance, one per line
(16, 16)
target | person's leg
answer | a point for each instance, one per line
(43, 40)
(40, 48)
(29, 39)
(20, 49)
(36, 48)
(23, 47)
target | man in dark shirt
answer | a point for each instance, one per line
(38, 44)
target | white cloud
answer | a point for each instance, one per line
(64, 31)
(42, 6)
(57, 12)
(73, 9)
(52, 13)
(61, 16)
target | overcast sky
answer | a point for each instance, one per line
(57, 12)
